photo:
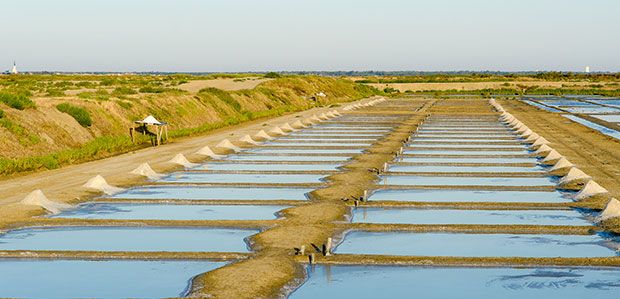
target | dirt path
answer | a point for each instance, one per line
(222, 83)
(596, 154)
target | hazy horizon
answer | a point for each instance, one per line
(320, 35)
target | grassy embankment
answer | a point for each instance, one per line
(55, 120)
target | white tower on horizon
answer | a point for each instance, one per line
(587, 69)
(14, 69)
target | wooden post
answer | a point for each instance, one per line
(302, 250)
(311, 258)
(365, 196)
(385, 167)
(131, 134)
(328, 245)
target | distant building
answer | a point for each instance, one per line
(587, 69)
(13, 70)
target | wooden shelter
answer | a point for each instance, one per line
(160, 128)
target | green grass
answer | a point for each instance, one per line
(80, 114)
(224, 96)
(17, 101)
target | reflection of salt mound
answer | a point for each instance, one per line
(37, 198)
(297, 124)
(181, 160)
(287, 127)
(563, 163)
(612, 210)
(543, 151)
(263, 135)
(228, 145)
(248, 139)
(277, 131)
(551, 158)
(573, 175)
(99, 183)
(590, 189)
(206, 151)
(145, 170)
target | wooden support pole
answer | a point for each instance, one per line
(311, 258)
(328, 247)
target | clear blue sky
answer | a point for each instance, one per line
(261, 35)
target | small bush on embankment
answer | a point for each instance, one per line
(17, 101)
(80, 114)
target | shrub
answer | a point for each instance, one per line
(152, 89)
(123, 91)
(1, 113)
(17, 101)
(272, 75)
(80, 114)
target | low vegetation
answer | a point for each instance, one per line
(17, 101)
(80, 114)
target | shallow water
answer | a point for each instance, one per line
(407, 168)
(465, 140)
(330, 139)
(439, 195)
(170, 212)
(597, 127)
(450, 135)
(608, 118)
(455, 244)
(270, 167)
(196, 177)
(213, 193)
(469, 160)
(330, 133)
(594, 109)
(300, 158)
(465, 153)
(429, 216)
(21, 278)
(182, 239)
(543, 107)
(304, 150)
(370, 282)
(329, 143)
(478, 146)
(411, 180)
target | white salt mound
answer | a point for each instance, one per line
(573, 175)
(145, 170)
(100, 184)
(612, 210)
(551, 157)
(228, 145)
(287, 127)
(206, 151)
(263, 135)
(590, 189)
(248, 139)
(562, 163)
(543, 150)
(277, 131)
(297, 124)
(181, 160)
(37, 198)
